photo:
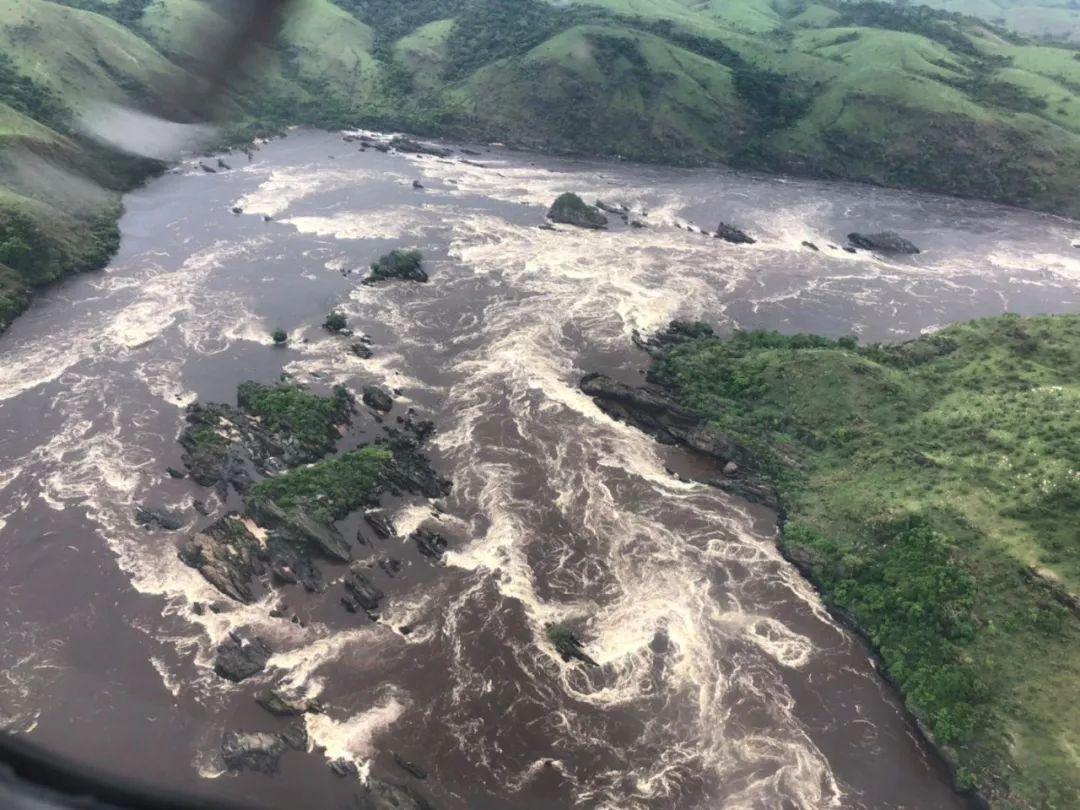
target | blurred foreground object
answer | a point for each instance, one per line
(217, 65)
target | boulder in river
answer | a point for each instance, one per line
(378, 398)
(570, 209)
(729, 233)
(241, 657)
(883, 242)
(259, 751)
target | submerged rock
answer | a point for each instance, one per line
(409, 767)
(375, 794)
(240, 657)
(810, 245)
(729, 233)
(884, 242)
(570, 209)
(153, 518)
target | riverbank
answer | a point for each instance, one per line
(929, 490)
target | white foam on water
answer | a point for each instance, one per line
(377, 224)
(353, 738)
(286, 186)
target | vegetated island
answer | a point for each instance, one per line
(931, 491)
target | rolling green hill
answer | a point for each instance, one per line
(865, 91)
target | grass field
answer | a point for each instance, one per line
(932, 491)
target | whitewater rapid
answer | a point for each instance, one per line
(722, 682)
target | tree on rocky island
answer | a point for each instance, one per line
(335, 322)
(401, 264)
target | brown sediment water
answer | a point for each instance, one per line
(721, 680)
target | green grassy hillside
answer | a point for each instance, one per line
(866, 91)
(932, 491)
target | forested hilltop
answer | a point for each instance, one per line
(867, 91)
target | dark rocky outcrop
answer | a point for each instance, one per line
(651, 410)
(570, 209)
(677, 332)
(227, 555)
(811, 246)
(261, 751)
(729, 233)
(286, 704)
(292, 565)
(430, 544)
(241, 657)
(418, 148)
(378, 398)
(380, 524)
(362, 349)
(883, 242)
(409, 470)
(300, 529)
(362, 591)
(152, 518)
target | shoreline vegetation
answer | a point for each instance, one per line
(869, 92)
(930, 491)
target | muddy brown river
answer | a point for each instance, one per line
(721, 680)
